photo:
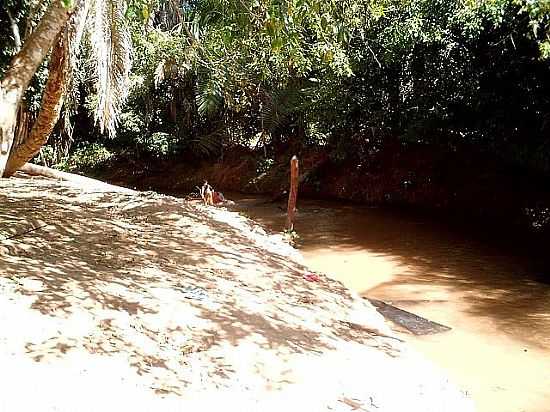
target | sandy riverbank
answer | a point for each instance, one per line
(137, 301)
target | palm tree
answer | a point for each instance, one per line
(22, 68)
(100, 23)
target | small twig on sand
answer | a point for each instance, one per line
(25, 232)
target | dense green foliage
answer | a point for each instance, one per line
(346, 74)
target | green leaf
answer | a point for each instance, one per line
(324, 22)
(145, 12)
(68, 4)
(276, 44)
(328, 56)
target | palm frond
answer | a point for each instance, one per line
(278, 105)
(208, 145)
(160, 72)
(209, 96)
(73, 39)
(111, 48)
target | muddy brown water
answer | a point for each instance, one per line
(493, 298)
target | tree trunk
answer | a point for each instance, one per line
(22, 69)
(82, 181)
(50, 109)
(291, 210)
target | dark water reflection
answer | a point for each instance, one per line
(489, 288)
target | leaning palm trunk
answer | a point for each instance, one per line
(52, 101)
(22, 69)
(110, 44)
(83, 181)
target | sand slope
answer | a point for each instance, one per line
(135, 301)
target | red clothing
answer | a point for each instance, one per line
(217, 197)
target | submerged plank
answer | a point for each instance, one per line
(415, 324)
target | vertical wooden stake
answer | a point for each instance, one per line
(293, 194)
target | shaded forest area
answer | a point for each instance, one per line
(429, 103)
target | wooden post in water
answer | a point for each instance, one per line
(293, 194)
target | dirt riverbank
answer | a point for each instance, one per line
(457, 185)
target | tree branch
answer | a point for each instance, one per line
(15, 30)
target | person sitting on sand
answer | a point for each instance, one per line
(207, 193)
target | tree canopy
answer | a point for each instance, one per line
(346, 74)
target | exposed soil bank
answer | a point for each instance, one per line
(113, 300)
(457, 184)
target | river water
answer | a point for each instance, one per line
(491, 295)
